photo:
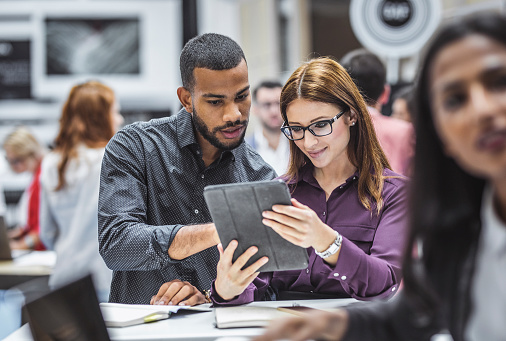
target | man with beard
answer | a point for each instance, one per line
(268, 141)
(154, 229)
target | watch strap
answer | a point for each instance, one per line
(333, 248)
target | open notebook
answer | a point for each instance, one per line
(124, 315)
(254, 316)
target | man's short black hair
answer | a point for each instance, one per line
(368, 73)
(210, 51)
(269, 84)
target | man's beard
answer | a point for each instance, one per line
(210, 136)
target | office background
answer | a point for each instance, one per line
(46, 46)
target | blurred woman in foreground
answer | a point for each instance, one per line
(458, 216)
(70, 184)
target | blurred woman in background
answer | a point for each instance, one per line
(24, 154)
(70, 185)
(458, 209)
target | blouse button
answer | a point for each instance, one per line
(324, 213)
(343, 277)
(307, 271)
(336, 275)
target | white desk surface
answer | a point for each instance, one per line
(189, 326)
(35, 263)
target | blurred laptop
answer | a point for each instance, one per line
(5, 250)
(70, 313)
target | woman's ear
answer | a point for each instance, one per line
(185, 97)
(352, 118)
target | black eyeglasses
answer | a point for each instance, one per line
(320, 128)
(15, 161)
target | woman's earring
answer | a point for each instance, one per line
(353, 123)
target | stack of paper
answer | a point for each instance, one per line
(246, 316)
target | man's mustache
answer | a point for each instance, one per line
(230, 125)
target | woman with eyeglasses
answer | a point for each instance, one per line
(24, 154)
(348, 208)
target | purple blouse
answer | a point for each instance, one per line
(369, 263)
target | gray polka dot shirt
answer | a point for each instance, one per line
(152, 182)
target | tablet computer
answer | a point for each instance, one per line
(237, 209)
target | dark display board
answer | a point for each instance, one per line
(15, 81)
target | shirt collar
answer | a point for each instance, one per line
(494, 229)
(306, 175)
(186, 136)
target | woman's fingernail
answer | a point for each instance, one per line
(161, 302)
(182, 303)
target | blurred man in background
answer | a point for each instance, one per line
(395, 136)
(402, 104)
(268, 140)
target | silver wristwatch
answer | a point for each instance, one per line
(333, 248)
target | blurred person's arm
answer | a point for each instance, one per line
(398, 319)
(48, 226)
(377, 274)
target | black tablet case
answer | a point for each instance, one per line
(236, 210)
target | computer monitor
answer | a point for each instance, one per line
(70, 313)
(5, 249)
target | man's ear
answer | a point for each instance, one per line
(185, 97)
(385, 95)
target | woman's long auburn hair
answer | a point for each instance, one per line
(86, 119)
(326, 81)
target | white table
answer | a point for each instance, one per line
(189, 326)
(23, 268)
(199, 326)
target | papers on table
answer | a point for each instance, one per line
(40, 258)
